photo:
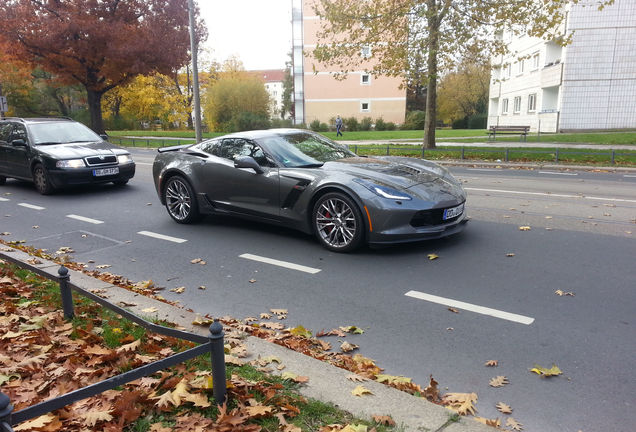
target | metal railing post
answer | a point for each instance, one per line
(387, 150)
(613, 156)
(557, 156)
(65, 292)
(462, 152)
(217, 353)
(507, 154)
(5, 413)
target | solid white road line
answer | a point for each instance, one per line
(31, 206)
(558, 173)
(471, 307)
(280, 263)
(482, 169)
(551, 195)
(85, 219)
(629, 176)
(3, 199)
(162, 237)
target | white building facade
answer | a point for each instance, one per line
(589, 84)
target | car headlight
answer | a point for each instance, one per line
(70, 163)
(125, 158)
(384, 191)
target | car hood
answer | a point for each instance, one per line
(396, 172)
(79, 150)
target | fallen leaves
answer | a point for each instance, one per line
(498, 381)
(562, 293)
(432, 257)
(513, 424)
(462, 403)
(545, 372)
(492, 363)
(361, 391)
(503, 408)
(524, 228)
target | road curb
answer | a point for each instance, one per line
(326, 383)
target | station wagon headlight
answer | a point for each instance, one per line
(125, 158)
(384, 191)
(70, 163)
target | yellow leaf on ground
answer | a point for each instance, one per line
(164, 400)
(355, 428)
(35, 423)
(553, 371)
(460, 402)
(198, 399)
(91, 418)
(258, 410)
(524, 228)
(432, 257)
(361, 390)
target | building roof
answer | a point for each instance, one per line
(269, 75)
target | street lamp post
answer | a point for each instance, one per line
(195, 73)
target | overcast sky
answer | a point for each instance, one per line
(257, 31)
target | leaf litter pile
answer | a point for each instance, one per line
(185, 392)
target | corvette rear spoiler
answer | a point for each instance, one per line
(172, 148)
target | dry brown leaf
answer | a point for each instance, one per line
(37, 422)
(383, 420)
(453, 310)
(514, 424)
(463, 403)
(129, 347)
(91, 418)
(504, 408)
(498, 381)
(489, 422)
(178, 290)
(562, 293)
(348, 347)
(492, 363)
(360, 391)
(524, 228)
(356, 378)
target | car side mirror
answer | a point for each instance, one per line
(248, 162)
(18, 143)
(104, 137)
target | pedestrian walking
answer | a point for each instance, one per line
(338, 126)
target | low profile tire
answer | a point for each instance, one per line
(41, 180)
(181, 201)
(337, 222)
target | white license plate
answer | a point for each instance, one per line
(105, 171)
(453, 212)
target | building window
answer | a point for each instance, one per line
(504, 106)
(365, 106)
(517, 108)
(532, 102)
(365, 52)
(506, 71)
(521, 66)
(365, 79)
(535, 61)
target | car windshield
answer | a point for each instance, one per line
(304, 149)
(61, 132)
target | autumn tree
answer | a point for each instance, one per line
(408, 38)
(99, 44)
(236, 100)
(463, 92)
(288, 90)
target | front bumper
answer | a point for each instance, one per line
(78, 176)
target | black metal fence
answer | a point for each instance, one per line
(212, 344)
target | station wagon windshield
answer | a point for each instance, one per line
(59, 133)
(303, 149)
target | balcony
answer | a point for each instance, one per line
(551, 75)
(495, 89)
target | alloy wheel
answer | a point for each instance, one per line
(338, 225)
(180, 200)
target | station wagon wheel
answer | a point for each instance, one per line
(181, 201)
(337, 222)
(41, 180)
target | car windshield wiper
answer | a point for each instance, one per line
(312, 165)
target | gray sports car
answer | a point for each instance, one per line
(303, 180)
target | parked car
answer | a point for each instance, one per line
(58, 152)
(303, 180)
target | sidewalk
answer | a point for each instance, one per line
(326, 382)
(497, 144)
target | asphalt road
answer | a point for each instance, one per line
(581, 240)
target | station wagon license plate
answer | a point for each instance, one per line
(105, 171)
(452, 212)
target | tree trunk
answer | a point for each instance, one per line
(431, 91)
(95, 109)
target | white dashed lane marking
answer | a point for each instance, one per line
(85, 219)
(558, 173)
(31, 206)
(162, 237)
(278, 263)
(551, 195)
(3, 199)
(471, 307)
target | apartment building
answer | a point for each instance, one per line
(273, 79)
(319, 96)
(589, 84)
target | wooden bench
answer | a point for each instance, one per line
(494, 130)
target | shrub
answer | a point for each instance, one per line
(351, 124)
(380, 124)
(414, 120)
(478, 121)
(281, 123)
(315, 125)
(391, 126)
(460, 123)
(365, 124)
(249, 121)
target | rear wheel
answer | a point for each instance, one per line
(181, 201)
(41, 180)
(338, 223)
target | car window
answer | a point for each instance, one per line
(5, 131)
(19, 132)
(62, 132)
(231, 148)
(212, 147)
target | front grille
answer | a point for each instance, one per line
(101, 160)
(431, 218)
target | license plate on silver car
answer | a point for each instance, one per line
(105, 171)
(452, 212)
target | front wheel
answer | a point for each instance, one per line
(337, 222)
(181, 201)
(41, 180)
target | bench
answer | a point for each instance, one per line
(494, 130)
